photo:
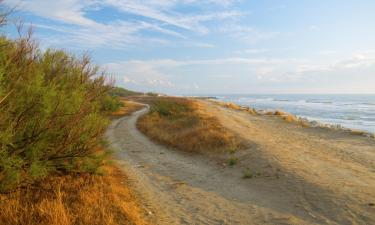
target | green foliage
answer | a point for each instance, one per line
(38, 169)
(94, 163)
(122, 92)
(111, 104)
(232, 161)
(152, 94)
(171, 109)
(52, 111)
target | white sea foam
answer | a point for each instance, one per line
(350, 111)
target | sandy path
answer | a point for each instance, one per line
(293, 183)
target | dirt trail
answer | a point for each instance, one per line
(300, 176)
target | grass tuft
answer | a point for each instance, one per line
(247, 174)
(232, 161)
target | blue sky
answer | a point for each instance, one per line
(216, 46)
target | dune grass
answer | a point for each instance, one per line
(73, 199)
(127, 108)
(178, 123)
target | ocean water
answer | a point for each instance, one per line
(350, 111)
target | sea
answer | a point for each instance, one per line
(350, 111)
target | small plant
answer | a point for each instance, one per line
(232, 161)
(232, 149)
(247, 174)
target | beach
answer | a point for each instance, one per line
(289, 174)
(356, 111)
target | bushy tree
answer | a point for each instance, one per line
(52, 111)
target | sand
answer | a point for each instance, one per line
(299, 175)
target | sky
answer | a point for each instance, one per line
(216, 46)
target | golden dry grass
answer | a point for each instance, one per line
(180, 123)
(358, 132)
(237, 107)
(73, 199)
(290, 118)
(128, 108)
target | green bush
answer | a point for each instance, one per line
(52, 112)
(122, 92)
(171, 109)
(111, 104)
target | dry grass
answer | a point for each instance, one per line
(237, 107)
(128, 108)
(290, 118)
(358, 132)
(73, 199)
(181, 123)
(233, 106)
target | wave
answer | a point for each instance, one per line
(282, 100)
(349, 111)
(319, 101)
(367, 103)
(264, 99)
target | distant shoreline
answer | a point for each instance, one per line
(300, 119)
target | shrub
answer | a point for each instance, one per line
(111, 104)
(122, 92)
(232, 161)
(52, 108)
(247, 174)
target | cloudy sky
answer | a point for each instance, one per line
(216, 46)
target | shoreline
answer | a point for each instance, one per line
(326, 177)
(289, 117)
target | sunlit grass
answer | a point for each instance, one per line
(73, 199)
(177, 122)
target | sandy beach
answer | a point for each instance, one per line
(298, 175)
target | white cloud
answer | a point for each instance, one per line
(78, 29)
(67, 11)
(139, 73)
(254, 72)
(357, 61)
(327, 52)
(248, 34)
(252, 51)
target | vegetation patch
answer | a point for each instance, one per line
(53, 112)
(178, 122)
(73, 199)
(54, 109)
(232, 161)
(127, 108)
(247, 174)
(122, 92)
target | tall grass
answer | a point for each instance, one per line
(73, 199)
(177, 122)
